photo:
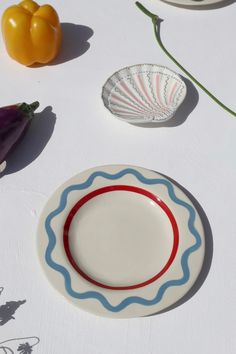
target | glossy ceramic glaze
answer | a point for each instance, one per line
(144, 93)
(194, 3)
(121, 241)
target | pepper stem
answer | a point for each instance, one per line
(156, 25)
(29, 108)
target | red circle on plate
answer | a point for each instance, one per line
(108, 189)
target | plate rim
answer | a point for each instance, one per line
(192, 3)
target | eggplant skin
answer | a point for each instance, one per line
(14, 121)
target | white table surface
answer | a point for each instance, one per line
(199, 153)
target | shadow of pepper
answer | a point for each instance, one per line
(33, 143)
(182, 113)
(74, 42)
(7, 311)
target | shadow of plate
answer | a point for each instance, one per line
(208, 252)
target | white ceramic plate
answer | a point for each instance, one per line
(121, 241)
(193, 3)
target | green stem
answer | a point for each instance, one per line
(29, 108)
(147, 12)
(156, 24)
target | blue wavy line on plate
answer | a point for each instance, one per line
(131, 299)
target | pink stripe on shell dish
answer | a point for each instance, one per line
(116, 99)
(143, 86)
(173, 91)
(130, 93)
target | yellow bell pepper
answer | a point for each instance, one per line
(32, 33)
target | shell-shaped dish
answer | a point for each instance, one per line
(144, 93)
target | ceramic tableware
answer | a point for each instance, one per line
(144, 93)
(195, 3)
(121, 241)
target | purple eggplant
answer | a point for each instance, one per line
(14, 121)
